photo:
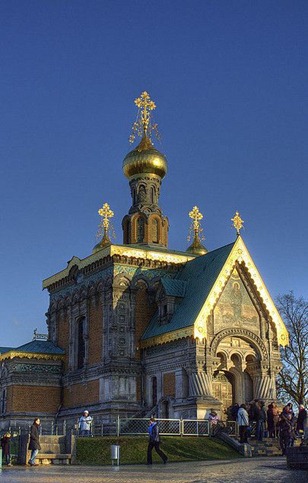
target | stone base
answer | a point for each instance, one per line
(297, 457)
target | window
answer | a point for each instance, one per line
(155, 231)
(81, 343)
(154, 391)
(140, 230)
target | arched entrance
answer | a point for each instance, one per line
(232, 381)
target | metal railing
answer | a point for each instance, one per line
(132, 426)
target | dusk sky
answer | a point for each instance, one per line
(229, 78)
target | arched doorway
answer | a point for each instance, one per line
(222, 384)
(233, 379)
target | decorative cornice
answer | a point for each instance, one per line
(239, 254)
(111, 253)
(168, 337)
(31, 355)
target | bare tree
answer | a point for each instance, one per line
(292, 382)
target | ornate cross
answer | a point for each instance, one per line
(143, 124)
(105, 212)
(237, 222)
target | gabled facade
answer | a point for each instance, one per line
(138, 328)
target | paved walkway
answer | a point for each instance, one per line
(253, 470)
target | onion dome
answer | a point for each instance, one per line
(145, 159)
(196, 247)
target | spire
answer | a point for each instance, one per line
(237, 222)
(144, 126)
(195, 228)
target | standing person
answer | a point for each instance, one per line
(301, 419)
(34, 444)
(270, 420)
(154, 441)
(286, 429)
(242, 420)
(213, 421)
(261, 420)
(85, 422)
(6, 448)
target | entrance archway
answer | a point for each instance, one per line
(232, 381)
(222, 384)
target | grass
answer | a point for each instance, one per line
(133, 450)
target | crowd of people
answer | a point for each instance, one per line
(270, 422)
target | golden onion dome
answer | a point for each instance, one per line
(145, 159)
(196, 247)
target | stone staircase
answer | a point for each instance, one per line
(53, 451)
(267, 447)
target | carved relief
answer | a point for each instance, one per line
(235, 307)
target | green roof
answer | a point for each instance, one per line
(40, 347)
(174, 287)
(5, 349)
(199, 276)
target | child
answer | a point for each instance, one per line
(6, 448)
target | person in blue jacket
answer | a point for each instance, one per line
(154, 442)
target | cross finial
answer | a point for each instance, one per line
(196, 216)
(237, 222)
(143, 125)
(106, 213)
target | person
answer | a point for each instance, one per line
(213, 422)
(286, 427)
(85, 422)
(301, 419)
(6, 448)
(154, 441)
(242, 420)
(261, 419)
(271, 423)
(234, 411)
(34, 443)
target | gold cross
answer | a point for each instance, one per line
(146, 105)
(143, 124)
(237, 222)
(105, 212)
(196, 217)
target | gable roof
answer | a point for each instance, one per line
(199, 275)
(206, 277)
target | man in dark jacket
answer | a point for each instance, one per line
(34, 444)
(154, 442)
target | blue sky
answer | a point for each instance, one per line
(230, 82)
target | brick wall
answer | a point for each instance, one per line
(144, 312)
(63, 335)
(169, 384)
(95, 330)
(39, 399)
(81, 394)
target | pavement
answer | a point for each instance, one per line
(250, 470)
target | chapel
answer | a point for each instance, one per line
(138, 328)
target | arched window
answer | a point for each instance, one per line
(80, 343)
(3, 401)
(154, 391)
(155, 238)
(140, 230)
